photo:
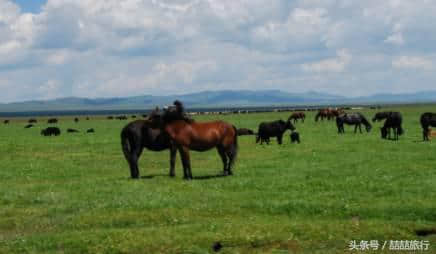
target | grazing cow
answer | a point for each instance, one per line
(144, 115)
(295, 137)
(356, 119)
(133, 116)
(6, 121)
(52, 120)
(32, 120)
(110, 117)
(87, 118)
(69, 130)
(49, 131)
(273, 129)
(427, 119)
(121, 117)
(28, 126)
(76, 120)
(297, 115)
(244, 131)
(90, 130)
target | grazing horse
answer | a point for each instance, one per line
(186, 134)
(393, 121)
(244, 131)
(297, 115)
(427, 119)
(273, 129)
(328, 113)
(138, 135)
(356, 119)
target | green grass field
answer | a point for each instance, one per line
(72, 193)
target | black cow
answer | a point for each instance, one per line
(76, 120)
(28, 126)
(110, 117)
(90, 130)
(72, 130)
(32, 120)
(49, 131)
(52, 120)
(244, 131)
(273, 129)
(6, 121)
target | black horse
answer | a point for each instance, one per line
(356, 119)
(139, 134)
(427, 119)
(273, 129)
(244, 131)
(393, 121)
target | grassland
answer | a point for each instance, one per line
(72, 193)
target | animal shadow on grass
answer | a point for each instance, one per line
(426, 232)
(208, 177)
(152, 176)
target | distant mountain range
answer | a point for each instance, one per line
(210, 99)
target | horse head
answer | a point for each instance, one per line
(368, 127)
(289, 125)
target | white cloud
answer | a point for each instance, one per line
(121, 48)
(412, 62)
(336, 64)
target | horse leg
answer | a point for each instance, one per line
(133, 157)
(223, 156)
(173, 154)
(184, 154)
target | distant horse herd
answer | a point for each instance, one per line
(173, 129)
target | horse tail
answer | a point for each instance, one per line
(400, 130)
(234, 148)
(126, 145)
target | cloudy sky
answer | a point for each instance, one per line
(105, 48)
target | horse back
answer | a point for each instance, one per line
(201, 136)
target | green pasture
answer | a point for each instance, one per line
(72, 193)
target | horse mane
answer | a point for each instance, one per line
(178, 113)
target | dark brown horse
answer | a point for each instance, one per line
(427, 120)
(328, 113)
(297, 115)
(186, 134)
(139, 134)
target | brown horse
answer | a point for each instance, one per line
(328, 113)
(186, 134)
(297, 115)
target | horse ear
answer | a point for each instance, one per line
(179, 106)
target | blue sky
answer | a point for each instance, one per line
(33, 6)
(111, 48)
